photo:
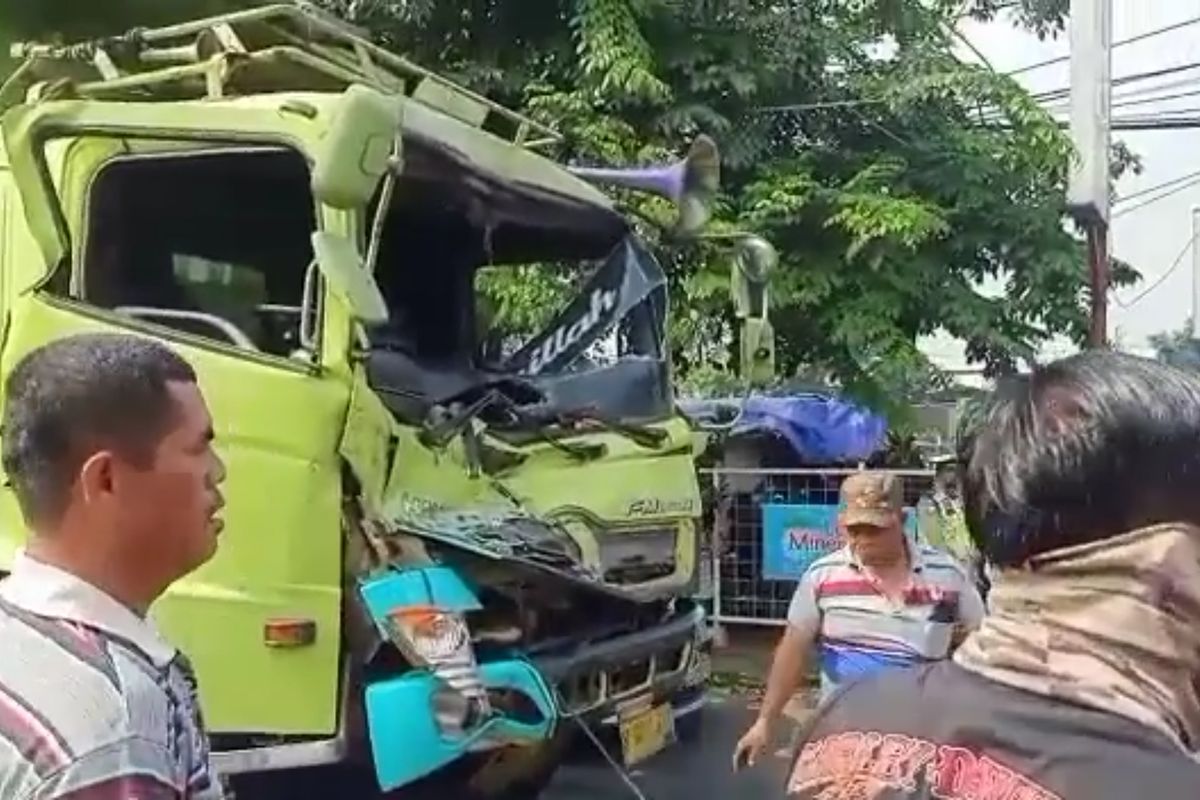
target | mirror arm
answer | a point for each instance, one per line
(385, 203)
(308, 312)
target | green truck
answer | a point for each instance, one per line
(438, 562)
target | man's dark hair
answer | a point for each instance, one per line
(1079, 450)
(69, 398)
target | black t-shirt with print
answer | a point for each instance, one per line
(941, 731)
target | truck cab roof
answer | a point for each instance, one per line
(299, 57)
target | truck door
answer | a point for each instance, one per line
(193, 225)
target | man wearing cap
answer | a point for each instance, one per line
(879, 602)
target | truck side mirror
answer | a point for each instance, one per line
(754, 260)
(358, 149)
(342, 268)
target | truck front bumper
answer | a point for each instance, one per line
(666, 663)
(407, 741)
(588, 681)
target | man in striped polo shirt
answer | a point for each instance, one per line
(879, 602)
(107, 445)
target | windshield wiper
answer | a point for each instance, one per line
(643, 435)
(439, 433)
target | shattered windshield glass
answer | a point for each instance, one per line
(601, 355)
(605, 350)
(620, 312)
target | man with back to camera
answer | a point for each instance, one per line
(879, 602)
(107, 445)
(1080, 486)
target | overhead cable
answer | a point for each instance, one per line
(1170, 193)
(1120, 43)
(1161, 279)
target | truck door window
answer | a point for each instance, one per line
(212, 243)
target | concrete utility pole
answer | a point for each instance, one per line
(1091, 99)
(1195, 245)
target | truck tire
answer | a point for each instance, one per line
(476, 777)
(509, 773)
(690, 727)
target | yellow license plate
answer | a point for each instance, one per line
(646, 732)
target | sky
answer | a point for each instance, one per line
(1152, 238)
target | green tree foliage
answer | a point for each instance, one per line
(888, 198)
(852, 138)
(1046, 18)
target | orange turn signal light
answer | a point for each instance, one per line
(292, 632)
(422, 618)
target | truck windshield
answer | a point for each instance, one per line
(601, 355)
(617, 312)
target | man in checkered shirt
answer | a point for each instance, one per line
(879, 602)
(107, 445)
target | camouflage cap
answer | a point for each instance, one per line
(872, 498)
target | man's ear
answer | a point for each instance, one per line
(97, 477)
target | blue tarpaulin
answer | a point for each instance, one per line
(820, 429)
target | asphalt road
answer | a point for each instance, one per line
(695, 770)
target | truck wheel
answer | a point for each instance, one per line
(689, 728)
(508, 773)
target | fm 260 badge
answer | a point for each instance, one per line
(658, 507)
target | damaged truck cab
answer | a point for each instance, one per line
(434, 563)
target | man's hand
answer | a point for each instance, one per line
(787, 670)
(752, 744)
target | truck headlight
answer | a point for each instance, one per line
(440, 641)
(429, 636)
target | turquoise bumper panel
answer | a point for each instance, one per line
(406, 743)
(425, 586)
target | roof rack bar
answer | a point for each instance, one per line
(402, 64)
(220, 66)
(348, 64)
(137, 81)
(318, 42)
(195, 26)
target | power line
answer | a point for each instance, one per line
(816, 106)
(1125, 101)
(1046, 96)
(1132, 39)
(1063, 93)
(1161, 278)
(1182, 120)
(1056, 97)
(1153, 189)
(1177, 122)
(1181, 187)
(1136, 97)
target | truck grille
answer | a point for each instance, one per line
(582, 692)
